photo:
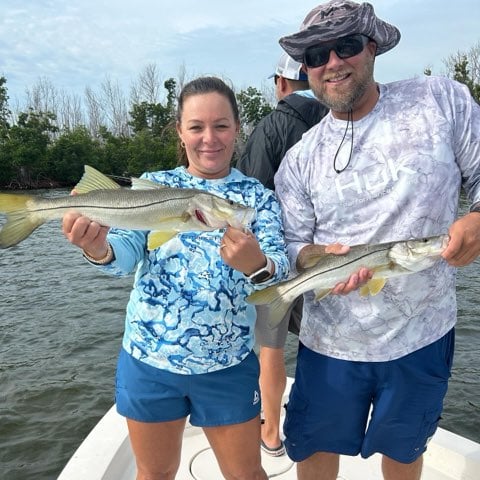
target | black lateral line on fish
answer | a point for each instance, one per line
(386, 248)
(108, 207)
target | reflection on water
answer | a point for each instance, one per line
(61, 323)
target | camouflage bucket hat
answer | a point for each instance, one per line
(336, 19)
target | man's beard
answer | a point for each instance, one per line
(346, 102)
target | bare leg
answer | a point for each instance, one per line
(237, 449)
(320, 466)
(393, 470)
(273, 379)
(157, 448)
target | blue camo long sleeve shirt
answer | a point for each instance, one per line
(187, 311)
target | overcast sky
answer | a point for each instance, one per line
(80, 43)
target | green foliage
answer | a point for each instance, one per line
(68, 155)
(153, 146)
(35, 153)
(253, 107)
(462, 75)
(114, 153)
(148, 153)
(25, 149)
(154, 117)
(151, 117)
(4, 111)
(465, 68)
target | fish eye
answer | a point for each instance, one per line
(230, 202)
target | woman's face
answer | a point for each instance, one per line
(208, 129)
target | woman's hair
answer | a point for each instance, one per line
(201, 86)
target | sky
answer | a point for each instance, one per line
(81, 43)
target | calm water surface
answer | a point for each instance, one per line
(61, 324)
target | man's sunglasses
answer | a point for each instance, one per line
(344, 47)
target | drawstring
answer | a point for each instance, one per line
(349, 122)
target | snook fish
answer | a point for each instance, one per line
(163, 211)
(386, 260)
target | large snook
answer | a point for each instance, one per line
(147, 206)
(386, 260)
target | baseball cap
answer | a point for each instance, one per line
(288, 68)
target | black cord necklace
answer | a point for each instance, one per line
(349, 123)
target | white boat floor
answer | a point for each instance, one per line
(109, 457)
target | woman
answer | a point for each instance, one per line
(187, 347)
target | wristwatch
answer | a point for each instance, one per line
(264, 273)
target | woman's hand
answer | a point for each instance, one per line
(89, 236)
(241, 251)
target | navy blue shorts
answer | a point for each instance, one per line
(330, 401)
(224, 397)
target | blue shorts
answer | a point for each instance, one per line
(329, 404)
(224, 397)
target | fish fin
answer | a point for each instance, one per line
(309, 260)
(145, 184)
(372, 287)
(20, 222)
(157, 239)
(319, 294)
(186, 216)
(92, 179)
(364, 291)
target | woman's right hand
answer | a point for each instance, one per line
(90, 236)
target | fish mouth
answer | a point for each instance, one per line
(445, 240)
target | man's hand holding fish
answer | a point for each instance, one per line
(355, 280)
(464, 245)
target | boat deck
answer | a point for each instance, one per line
(106, 455)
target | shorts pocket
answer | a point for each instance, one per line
(295, 419)
(426, 432)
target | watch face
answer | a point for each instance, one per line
(261, 276)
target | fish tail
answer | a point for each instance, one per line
(277, 304)
(20, 222)
(277, 311)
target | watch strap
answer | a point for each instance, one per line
(264, 273)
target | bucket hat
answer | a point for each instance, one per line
(339, 18)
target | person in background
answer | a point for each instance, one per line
(297, 111)
(386, 164)
(189, 333)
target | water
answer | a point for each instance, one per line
(61, 325)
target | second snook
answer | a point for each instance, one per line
(147, 206)
(386, 260)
